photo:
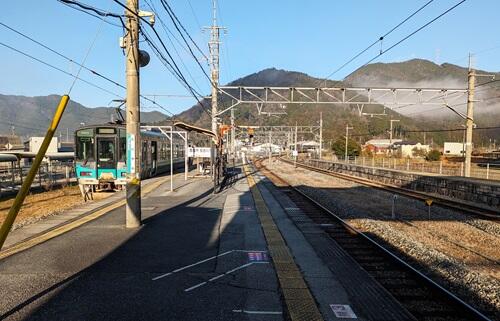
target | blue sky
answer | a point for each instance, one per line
(314, 37)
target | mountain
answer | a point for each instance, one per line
(413, 73)
(32, 115)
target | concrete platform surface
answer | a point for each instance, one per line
(198, 256)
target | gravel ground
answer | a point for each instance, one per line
(462, 251)
(38, 206)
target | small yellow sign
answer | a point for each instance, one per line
(428, 202)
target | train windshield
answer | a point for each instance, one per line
(85, 145)
(107, 152)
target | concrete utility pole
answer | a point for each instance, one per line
(470, 118)
(320, 134)
(295, 148)
(233, 147)
(390, 135)
(270, 150)
(347, 128)
(133, 120)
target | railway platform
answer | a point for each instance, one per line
(246, 253)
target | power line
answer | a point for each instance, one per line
(174, 69)
(171, 13)
(176, 24)
(414, 32)
(91, 8)
(377, 41)
(449, 130)
(194, 14)
(61, 55)
(59, 69)
(94, 72)
(99, 14)
(167, 32)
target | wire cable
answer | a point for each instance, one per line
(94, 72)
(59, 69)
(375, 42)
(175, 20)
(85, 58)
(413, 33)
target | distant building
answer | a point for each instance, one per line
(410, 149)
(33, 145)
(307, 146)
(10, 142)
(453, 149)
(66, 147)
(264, 148)
(379, 146)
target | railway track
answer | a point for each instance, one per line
(470, 209)
(421, 296)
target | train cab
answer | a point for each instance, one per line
(101, 155)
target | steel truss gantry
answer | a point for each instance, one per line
(281, 135)
(390, 97)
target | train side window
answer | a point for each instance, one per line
(123, 145)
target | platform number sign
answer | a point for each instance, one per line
(257, 257)
(343, 311)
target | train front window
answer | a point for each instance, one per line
(85, 145)
(106, 152)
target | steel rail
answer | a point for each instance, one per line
(389, 253)
(455, 205)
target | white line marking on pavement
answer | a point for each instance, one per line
(219, 276)
(257, 312)
(191, 265)
(195, 286)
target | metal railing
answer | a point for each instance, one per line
(489, 171)
(49, 175)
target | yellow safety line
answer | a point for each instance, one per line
(24, 245)
(299, 301)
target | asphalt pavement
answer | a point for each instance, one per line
(198, 256)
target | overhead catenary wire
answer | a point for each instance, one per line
(381, 38)
(382, 52)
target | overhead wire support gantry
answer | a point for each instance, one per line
(340, 96)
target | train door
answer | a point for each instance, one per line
(154, 157)
(106, 157)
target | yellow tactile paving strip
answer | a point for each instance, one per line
(24, 245)
(298, 299)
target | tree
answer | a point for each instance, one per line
(419, 152)
(353, 148)
(433, 155)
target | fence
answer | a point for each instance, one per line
(490, 171)
(49, 175)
